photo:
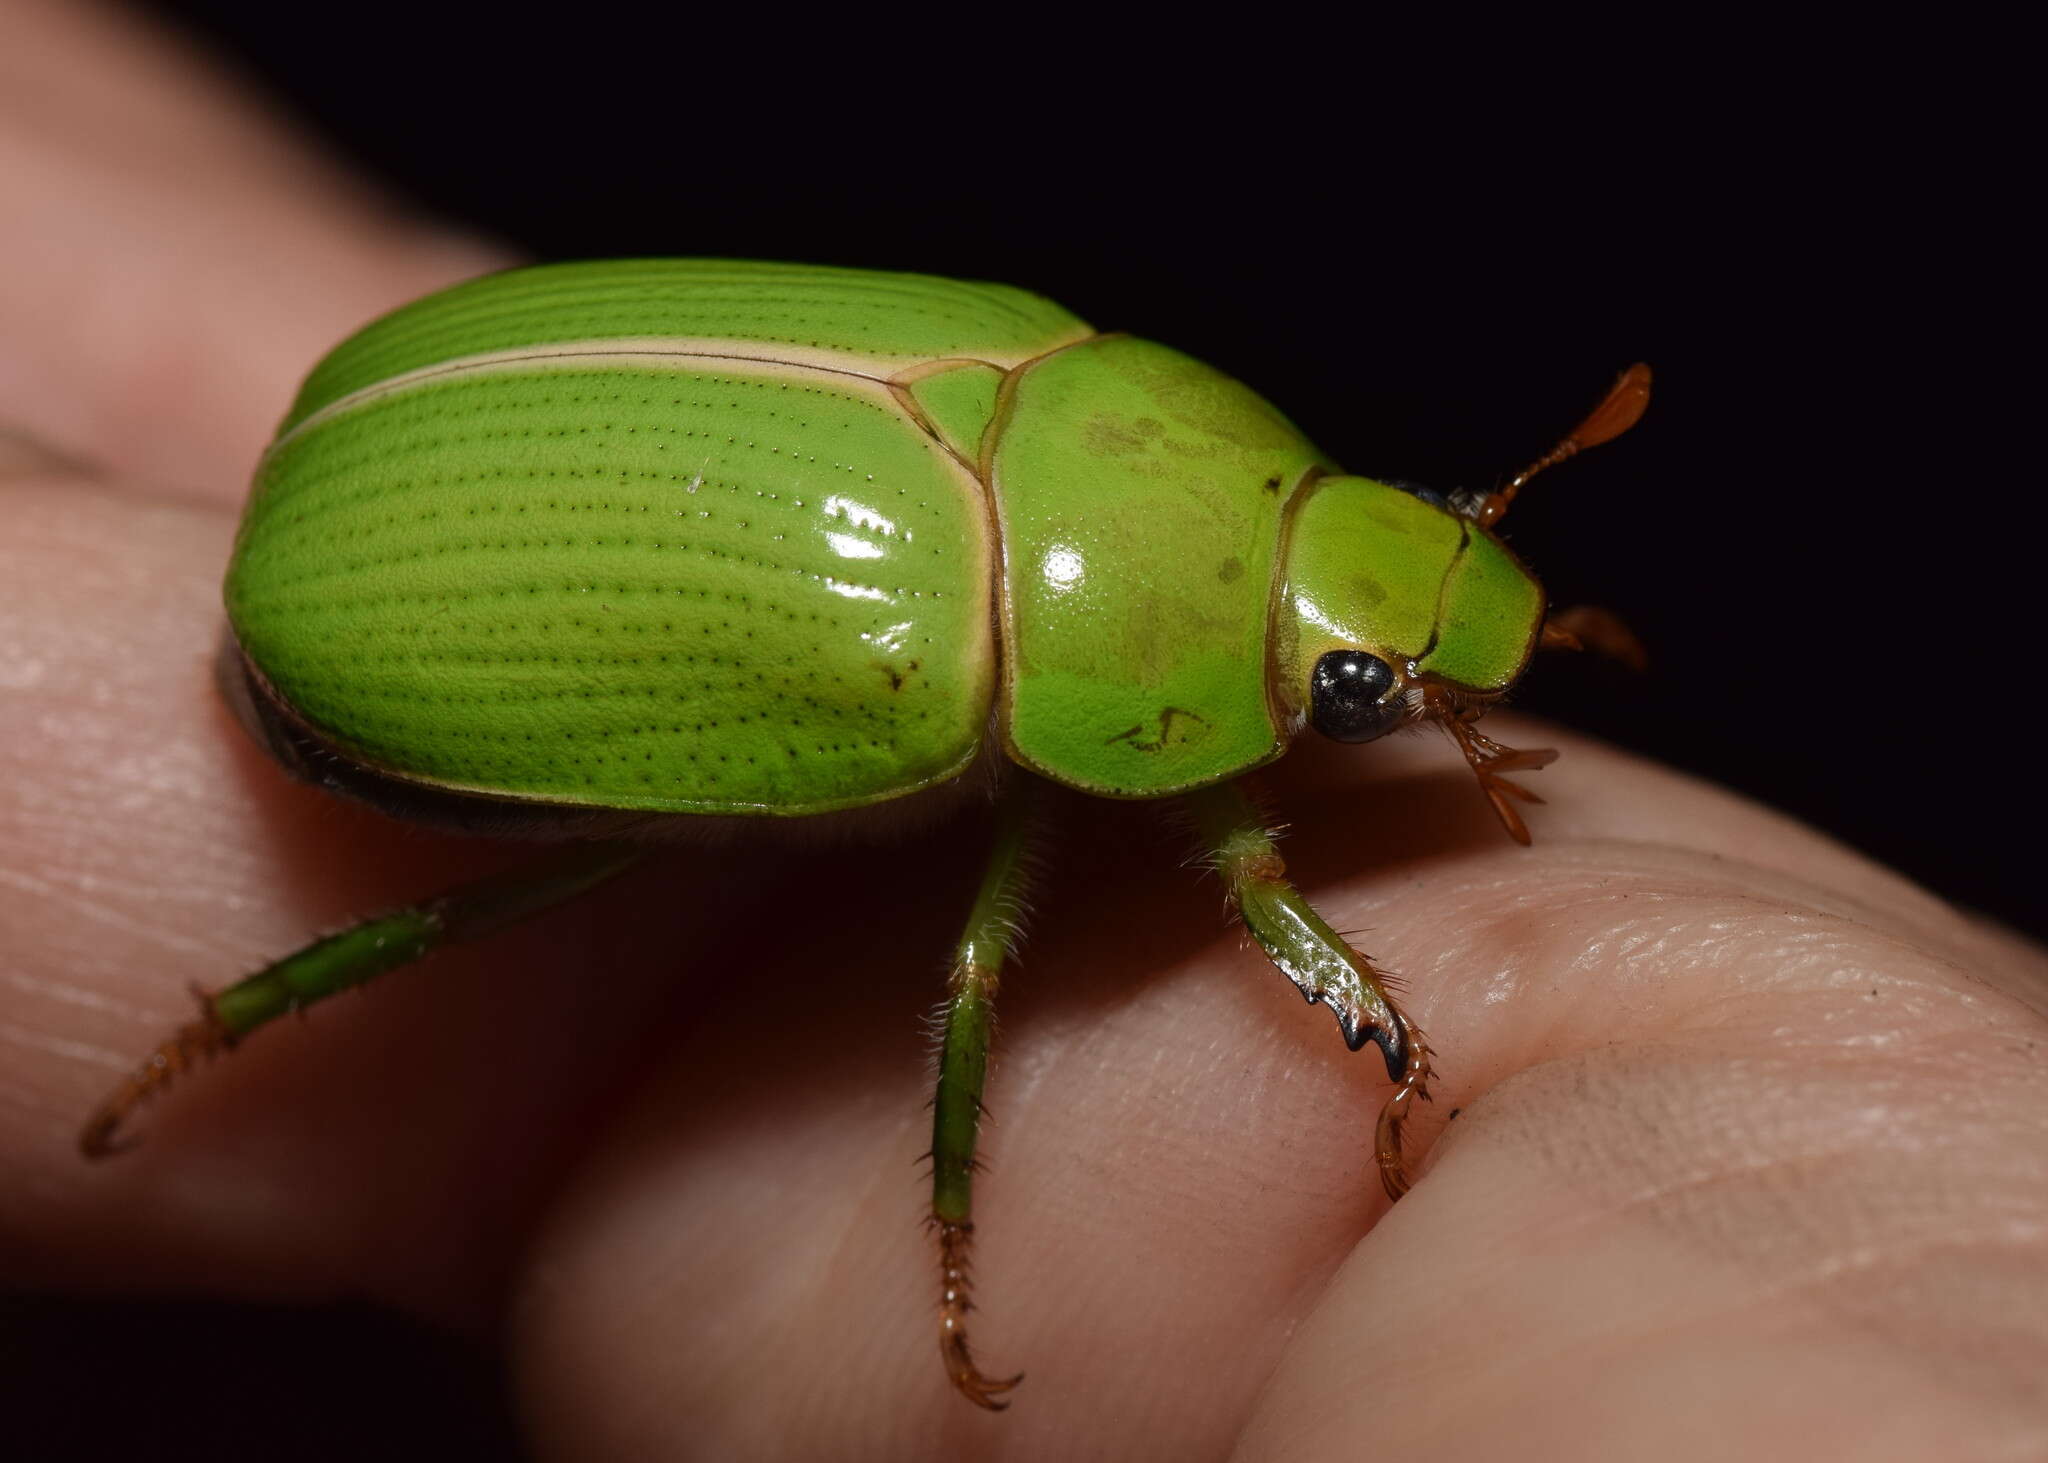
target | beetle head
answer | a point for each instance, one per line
(1394, 607)
(1398, 605)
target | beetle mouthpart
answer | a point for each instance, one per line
(190, 1044)
(967, 1379)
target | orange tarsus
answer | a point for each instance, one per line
(1489, 759)
(187, 1046)
(1387, 1133)
(967, 1379)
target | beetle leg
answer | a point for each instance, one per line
(1319, 961)
(992, 929)
(1489, 760)
(1589, 627)
(348, 959)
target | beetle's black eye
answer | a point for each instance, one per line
(1344, 693)
(1430, 496)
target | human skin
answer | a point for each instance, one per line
(1750, 1155)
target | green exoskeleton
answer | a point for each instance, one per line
(591, 548)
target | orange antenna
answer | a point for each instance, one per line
(1619, 410)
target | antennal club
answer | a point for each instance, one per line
(1619, 410)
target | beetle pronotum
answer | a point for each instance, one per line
(854, 536)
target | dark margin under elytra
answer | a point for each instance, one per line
(308, 756)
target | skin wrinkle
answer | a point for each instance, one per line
(1451, 1304)
(89, 901)
(2018, 1236)
(1617, 1343)
(1586, 1354)
(1833, 1284)
(1745, 1173)
(65, 991)
(1726, 931)
(1762, 887)
(57, 1046)
(1473, 1380)
(1586, 1172)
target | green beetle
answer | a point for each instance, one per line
(590, 548)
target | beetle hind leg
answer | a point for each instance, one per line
(968, 1019)
(187, 1047)
(1320, 962)
(342, 961)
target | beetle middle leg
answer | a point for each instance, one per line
(992, 929)
(1319, 961)
(348, 959)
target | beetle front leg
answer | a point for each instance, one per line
(348, 959)
(992, 929)
(1315, 957)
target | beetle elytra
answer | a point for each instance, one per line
(591, 548)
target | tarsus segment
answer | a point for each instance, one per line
(992, 929)
(1488, 759)
(348, 959)
(1315, 957)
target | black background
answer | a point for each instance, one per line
(1821, 529)
(1434, 259)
